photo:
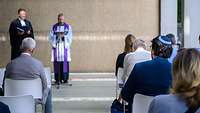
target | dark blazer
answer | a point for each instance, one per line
(15, 38)
(4, 108)
(120, 61)
(148, 78)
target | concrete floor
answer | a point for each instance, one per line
(89, 93)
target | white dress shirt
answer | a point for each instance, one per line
(25, 53)
(140, 55)
(22, 22)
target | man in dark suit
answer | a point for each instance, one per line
(4, 108)
(19, 29)
(150, 77)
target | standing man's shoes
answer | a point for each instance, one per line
(65, 81)
(57, 83)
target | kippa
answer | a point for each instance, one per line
(164, 40)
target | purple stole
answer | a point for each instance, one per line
(64, 28)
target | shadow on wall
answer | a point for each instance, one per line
(90, 52)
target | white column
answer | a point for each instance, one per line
(191, 23)
(168, 15)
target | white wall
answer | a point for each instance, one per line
(168, 17)
(191, 23)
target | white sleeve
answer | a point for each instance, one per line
(68, 37)
(52, 38)
(125, 65)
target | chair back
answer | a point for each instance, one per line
(19, 104)
(48, 76)
(141, 103)
(2, 72)
(23, 87)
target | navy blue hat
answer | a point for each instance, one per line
(165, 40)
(162, 46)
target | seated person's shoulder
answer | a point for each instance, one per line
(132, 53)
(161, 62)
(122, 54)
(161, 99)
(167, 104)
(129, 54)
(38, 62)
(148, 53)
(144, 64)
(11, 64)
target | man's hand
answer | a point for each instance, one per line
(119, 98)
(60, 35)
(29, 32)
(20, 33)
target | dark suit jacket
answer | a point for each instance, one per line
(4, 108)
(15, 38)
(149, 78)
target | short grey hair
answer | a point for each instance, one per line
(139, 43)
(28, 43)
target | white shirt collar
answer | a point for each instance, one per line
(140, 49)
(26, 54)
(22, 22)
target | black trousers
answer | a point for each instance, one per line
(62, 75)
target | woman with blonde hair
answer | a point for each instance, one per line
(185, 91)
(127, 49)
